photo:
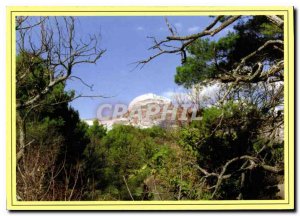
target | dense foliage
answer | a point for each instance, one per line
(208, 59)
(233, 152)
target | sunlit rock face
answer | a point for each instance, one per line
(150, 110)
(147, 110)
(153, 110)
(147, 99)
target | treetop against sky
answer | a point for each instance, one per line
(125, 40)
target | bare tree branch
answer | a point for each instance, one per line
(21, 20)
(185, 40)
(59, 49)
(60, 53)
(208, 30)
(276, 20)
(254, 162)
(128, 188)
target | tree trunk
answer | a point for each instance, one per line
(22, 137)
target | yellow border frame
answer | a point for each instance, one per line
(286, 204)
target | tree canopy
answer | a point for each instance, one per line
(234, 152)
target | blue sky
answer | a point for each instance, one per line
(125, 39)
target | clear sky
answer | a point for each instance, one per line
(125, 39)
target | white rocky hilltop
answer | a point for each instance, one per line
(140, 104)
(148, 98)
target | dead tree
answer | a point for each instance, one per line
(61, 50)
(57, 46)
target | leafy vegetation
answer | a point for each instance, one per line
(233, 152)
